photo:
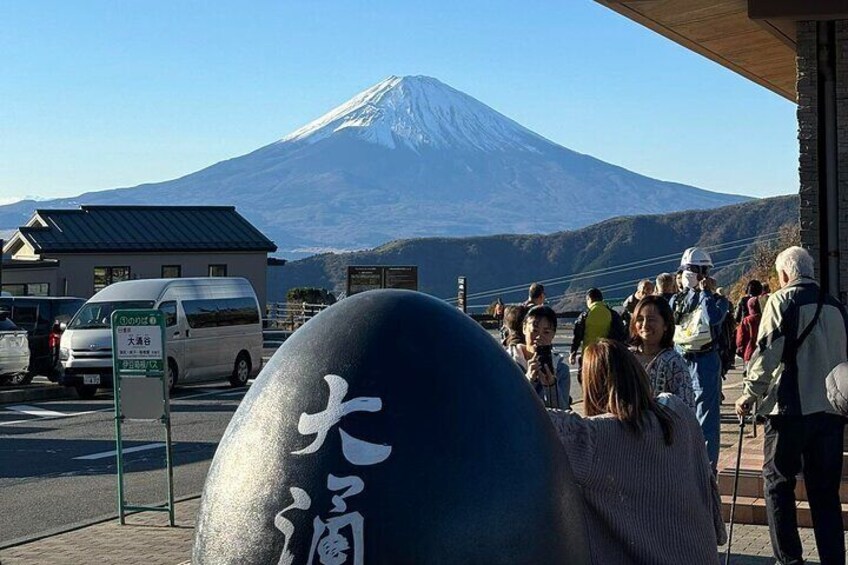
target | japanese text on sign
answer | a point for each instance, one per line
(138, 342)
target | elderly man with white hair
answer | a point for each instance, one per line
(803, 335)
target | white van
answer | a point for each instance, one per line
(213, 330)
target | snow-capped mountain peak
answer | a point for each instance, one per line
(420, 112)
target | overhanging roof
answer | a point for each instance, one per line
(137, 229)
(762, 50)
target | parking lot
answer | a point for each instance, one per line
(58, 465)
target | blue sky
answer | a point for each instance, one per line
(104, 94)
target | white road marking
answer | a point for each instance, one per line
(43, 412)
(234, 393)
(54, 415)
(105, 454)
(36, 411)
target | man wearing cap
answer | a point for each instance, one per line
(704, 363)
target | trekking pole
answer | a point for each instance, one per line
(735, 488)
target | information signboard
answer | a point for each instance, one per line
(362, 278)
(401, 277)
(141, 388)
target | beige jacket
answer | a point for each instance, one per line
(785, 380)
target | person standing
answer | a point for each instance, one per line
(666, 286)
(535, 295)
(803, 335)
(551, 383)
(725, 334)
(596, 322)
(652, 341)
(753, 288)
(644, 288)
(746, 333)
(703, 361)
(514, 324)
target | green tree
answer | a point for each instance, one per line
(310, 295)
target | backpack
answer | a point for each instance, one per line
(692, 331)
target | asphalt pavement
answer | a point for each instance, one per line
(58, 465)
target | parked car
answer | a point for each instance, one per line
(14, 351)
(43, 318)
(213, 330)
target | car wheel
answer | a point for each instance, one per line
(20, 379)
(86, 392)
(172, 375)
(241, 370)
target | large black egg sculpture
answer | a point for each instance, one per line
(389, 429)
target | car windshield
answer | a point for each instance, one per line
(99, 314)
(7, 325)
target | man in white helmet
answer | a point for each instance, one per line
(704, 361)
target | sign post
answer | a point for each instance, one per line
(462, 294)
(141, 389)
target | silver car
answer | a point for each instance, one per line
(14, 351)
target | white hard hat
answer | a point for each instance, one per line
(697, 257)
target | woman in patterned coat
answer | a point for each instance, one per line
(652, 341)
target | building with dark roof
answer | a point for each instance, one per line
(78, 252)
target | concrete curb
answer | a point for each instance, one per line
(35, 393)
(78, 526)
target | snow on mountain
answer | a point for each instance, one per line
(409, 157)
(418, 112)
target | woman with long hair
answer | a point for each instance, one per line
(649, 492)
(652, 341)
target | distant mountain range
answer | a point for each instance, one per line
(408, 157)
(612, 255)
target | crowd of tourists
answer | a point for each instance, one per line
(646, 449)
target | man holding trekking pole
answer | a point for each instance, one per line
(803, 335)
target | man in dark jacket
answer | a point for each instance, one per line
(803, 335)
(597, 322)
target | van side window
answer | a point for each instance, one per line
(25, 316)
(237, 312)
(201, 313)
(169, 309)
(221, 312)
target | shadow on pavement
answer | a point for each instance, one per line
(22, 430)
(28, 458)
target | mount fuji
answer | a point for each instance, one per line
(409, 157)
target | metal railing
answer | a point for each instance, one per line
(283, 318)
(290, 315)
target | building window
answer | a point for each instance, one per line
(172, 271)
(217, 270)
(104, 276)
(28, 289)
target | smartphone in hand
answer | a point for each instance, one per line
(545, 355)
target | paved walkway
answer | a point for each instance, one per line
(147, 540)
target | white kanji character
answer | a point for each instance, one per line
(356, 451)
(300, 501)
